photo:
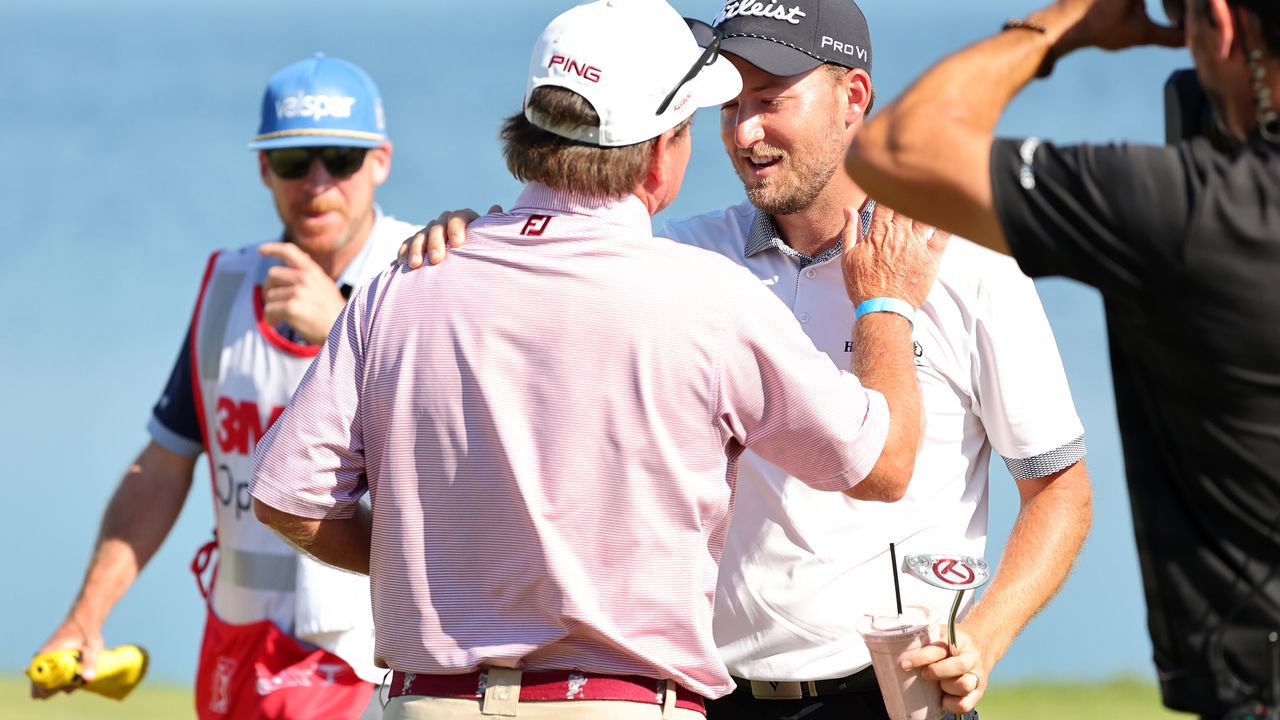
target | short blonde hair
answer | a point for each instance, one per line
(837, 74)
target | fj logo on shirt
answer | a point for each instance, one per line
(535, 225)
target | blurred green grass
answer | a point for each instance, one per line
(1119, 699)
(147, 702)
(1124, 698)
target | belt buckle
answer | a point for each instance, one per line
(501, 692)
(782, 690)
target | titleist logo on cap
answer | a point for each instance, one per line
(316, 107)
(757, 8)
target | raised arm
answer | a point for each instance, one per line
(897, 258)
(927, 154)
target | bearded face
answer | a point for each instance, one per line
(781, 182)
(785, 137)
(323, 214)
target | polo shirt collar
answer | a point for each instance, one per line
(628, 210)
(764, 236)
(354, 273)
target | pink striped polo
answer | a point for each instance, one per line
(548, 426)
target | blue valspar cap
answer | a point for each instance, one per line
(321, 101)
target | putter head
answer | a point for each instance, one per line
(949, 572)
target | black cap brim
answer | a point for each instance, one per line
(771, 57)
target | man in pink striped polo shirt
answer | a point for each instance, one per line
(549, 424)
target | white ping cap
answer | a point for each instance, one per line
(625, 57)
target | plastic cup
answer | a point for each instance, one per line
(907, 695)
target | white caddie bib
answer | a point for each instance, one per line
(244, 372)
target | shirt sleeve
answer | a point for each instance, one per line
(174, 424)
(1115, 217)
(787, 401)
(311, 462)
(1020, 387)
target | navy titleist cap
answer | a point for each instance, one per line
(321, 101)
(795, 36)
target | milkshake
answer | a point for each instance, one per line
(907, 695)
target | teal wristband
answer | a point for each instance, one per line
(886, 304)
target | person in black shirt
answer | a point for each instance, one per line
(1184, 244)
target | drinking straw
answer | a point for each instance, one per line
(897, 591)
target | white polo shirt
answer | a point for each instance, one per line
(800, 567)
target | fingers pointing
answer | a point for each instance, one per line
(287, 253)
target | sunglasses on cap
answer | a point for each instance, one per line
(295, 163)
(707, 37)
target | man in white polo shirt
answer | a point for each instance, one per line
(552, 451)
(799, 567)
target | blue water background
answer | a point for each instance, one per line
(122, 131)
